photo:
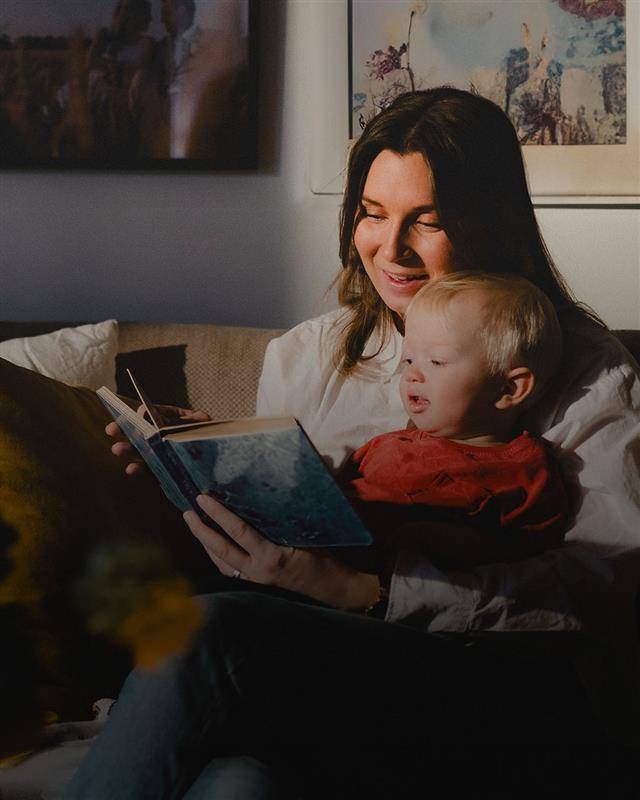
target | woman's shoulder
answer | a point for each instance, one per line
(312, 334)
(593, 349)
(299, 368)
(598, 379)
(316, 325)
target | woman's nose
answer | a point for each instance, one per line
(394, 247)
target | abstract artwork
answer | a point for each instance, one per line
(128, 83)
(558, 68)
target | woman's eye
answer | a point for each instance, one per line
(428, 225)
(373, 216)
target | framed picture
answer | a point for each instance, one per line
(129, 84)
(566, 71)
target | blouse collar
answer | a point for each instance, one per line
(387, 362)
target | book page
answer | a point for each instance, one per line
(119, 409)
(155, 417)
(237, 427)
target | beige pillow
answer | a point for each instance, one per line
(82, 356)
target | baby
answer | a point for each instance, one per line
(479, 349)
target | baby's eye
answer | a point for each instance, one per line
(406, 361)
(437, 363)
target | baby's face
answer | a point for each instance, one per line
(446, 387)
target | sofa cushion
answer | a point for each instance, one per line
(83, 355)
(83, 550)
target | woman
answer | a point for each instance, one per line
(435, 183)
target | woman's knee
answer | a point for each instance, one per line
(228, 627)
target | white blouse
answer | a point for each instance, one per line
(592, 418)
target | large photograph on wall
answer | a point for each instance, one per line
(560, 69)
(128, 83)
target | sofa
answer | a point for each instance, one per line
(209, 367)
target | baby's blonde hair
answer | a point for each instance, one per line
(521, 327)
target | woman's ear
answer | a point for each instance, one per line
(517, 386)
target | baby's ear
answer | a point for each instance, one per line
(517, 386)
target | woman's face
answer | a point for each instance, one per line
(399, 238)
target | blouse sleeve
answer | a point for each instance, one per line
(596, 432)
(270, 399)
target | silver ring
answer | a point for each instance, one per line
(236, 573)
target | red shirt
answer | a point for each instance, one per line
(513, 486)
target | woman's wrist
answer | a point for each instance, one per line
(378, 608)
(323, 578)
(363, 592)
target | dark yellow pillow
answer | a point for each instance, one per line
(77, 539)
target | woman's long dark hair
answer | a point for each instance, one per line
(480, 195)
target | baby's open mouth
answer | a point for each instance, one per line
(417, 403)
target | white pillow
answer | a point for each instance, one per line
(82, 356)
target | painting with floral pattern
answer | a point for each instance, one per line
(556, 67)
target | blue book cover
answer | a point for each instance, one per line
(266, 470)
(141, 433)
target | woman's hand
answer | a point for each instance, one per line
(171, 415)
(251, 556)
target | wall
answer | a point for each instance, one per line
(255, 249)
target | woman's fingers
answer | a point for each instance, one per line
(176, 414)
(243, 548)
(185, 414)
(134, 468)
(122, 449)
(224, 568)
(113, 429)
(217, 546)
(242, 533)
(257, 559)
(168, 413)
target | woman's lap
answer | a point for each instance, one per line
(324, 694)
(235, 778)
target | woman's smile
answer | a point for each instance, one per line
(405, 283)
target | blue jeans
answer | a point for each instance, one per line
(289, 699)
(235, 778)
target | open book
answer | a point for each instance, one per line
(264, 469)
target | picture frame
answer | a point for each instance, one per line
(133, 85)
(558, 175)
